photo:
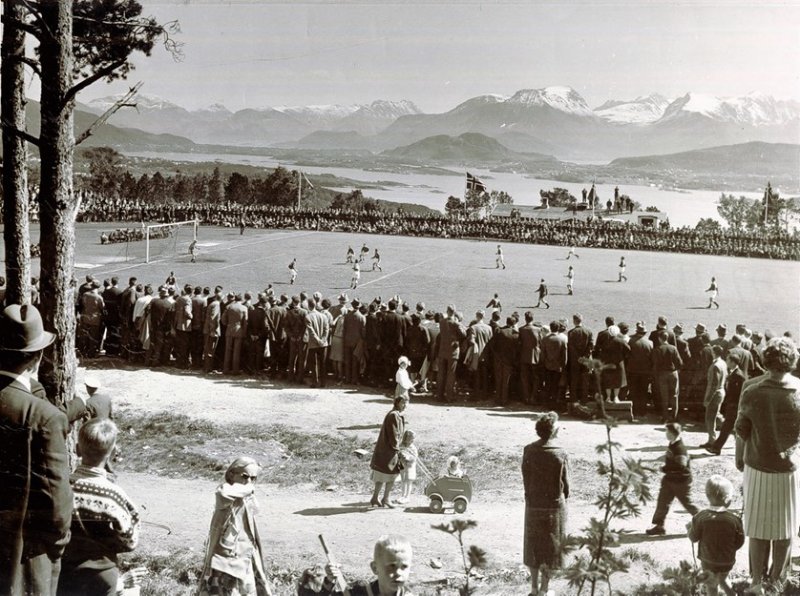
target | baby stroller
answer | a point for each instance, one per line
(450, 489)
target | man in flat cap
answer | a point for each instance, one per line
(36, 499)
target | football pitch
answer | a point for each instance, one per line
(763, 294)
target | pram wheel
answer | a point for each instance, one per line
(460, 505)
(436, 505)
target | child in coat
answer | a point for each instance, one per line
(409, 454)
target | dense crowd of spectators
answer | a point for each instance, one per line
(488, 356)
(596, 232)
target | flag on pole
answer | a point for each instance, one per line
(474, 183)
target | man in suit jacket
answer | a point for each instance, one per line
(639, 369)
(318, 328)
(579, 345)
(666, 364)
(36, 499)
(127, 300)
(90, 323)
(554, 357)
(529, 357)
(161, 321)
(393, 332)
(504, 348)
(211, 332)
(295, 325)
(279, 353)
(234, 319)
(603, 338)
(258, 329)
(196, 343)
(479, 334)
(183, 327)
(451, 334)
(746, 364)
(353, 334)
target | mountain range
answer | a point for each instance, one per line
(551, 121)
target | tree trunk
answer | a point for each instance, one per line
(57, 202)
(15, 162)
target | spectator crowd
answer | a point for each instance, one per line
(596, 232)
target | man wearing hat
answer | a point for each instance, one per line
(234, 319)
(721, 340)
(36, 499)
(161, 318)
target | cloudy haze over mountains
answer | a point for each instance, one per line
(553, 120)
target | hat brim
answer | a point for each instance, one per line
(44, 340)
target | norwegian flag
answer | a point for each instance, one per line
(474, 183)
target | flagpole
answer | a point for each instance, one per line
(299, 188)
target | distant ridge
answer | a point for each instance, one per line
(468, 147)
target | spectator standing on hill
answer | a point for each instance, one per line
(639, 369)
(715, 394)
(317, 330)
(451, 334)
(730, 406)
(530, 357)
(666, 363)
(580, 343)
(721, 340)
(545, 476)
(769, 425)
(504, 348)
(235, 320)
(36, 500)
(211, 331)
(554, 359)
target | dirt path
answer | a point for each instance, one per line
(291, 519)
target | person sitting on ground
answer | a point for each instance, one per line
(391, 563)
(719, 533)
(104, 520)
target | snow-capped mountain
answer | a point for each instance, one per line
(373, 118)
(754, 109)
(143, 102)
(642, 110)
(563, 99)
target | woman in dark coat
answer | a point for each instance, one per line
(615, 352)
(545, 474)
(385, 462)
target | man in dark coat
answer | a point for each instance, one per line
(295, 325)
(36, 499)
(579, 345)
(278, 351)
(451, 334)
(554, 358)
(196, 342)
(393, 331)
(161, 319)
(666, 364)
(639, 369)
(353, 333)
(504, 348)
(111, 298)
(530, 352)
(127, 300)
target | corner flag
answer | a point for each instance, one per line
(474, 183)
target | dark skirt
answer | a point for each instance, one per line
(545, 530)
(612, 377)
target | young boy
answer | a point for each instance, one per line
(719, 533)
(104, 520)
(676, 482)
(391, 564)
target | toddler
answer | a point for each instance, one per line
(404, 383)
(454, 469)
(409, 454)
(719, 534)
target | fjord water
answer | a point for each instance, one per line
(683, 207)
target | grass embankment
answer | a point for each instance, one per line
(176, 446)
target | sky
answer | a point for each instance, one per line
(438, 54)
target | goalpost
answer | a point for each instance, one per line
(174, 225)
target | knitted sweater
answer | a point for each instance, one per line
(769, 423)
(677, 463)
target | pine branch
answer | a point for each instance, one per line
(103, 72)
(20, 133)
(120, 103)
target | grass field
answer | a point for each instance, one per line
(763, 294)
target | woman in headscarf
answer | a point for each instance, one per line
(386, 463)
(233, 563)
(768, 424)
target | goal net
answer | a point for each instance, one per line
(169, 240)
